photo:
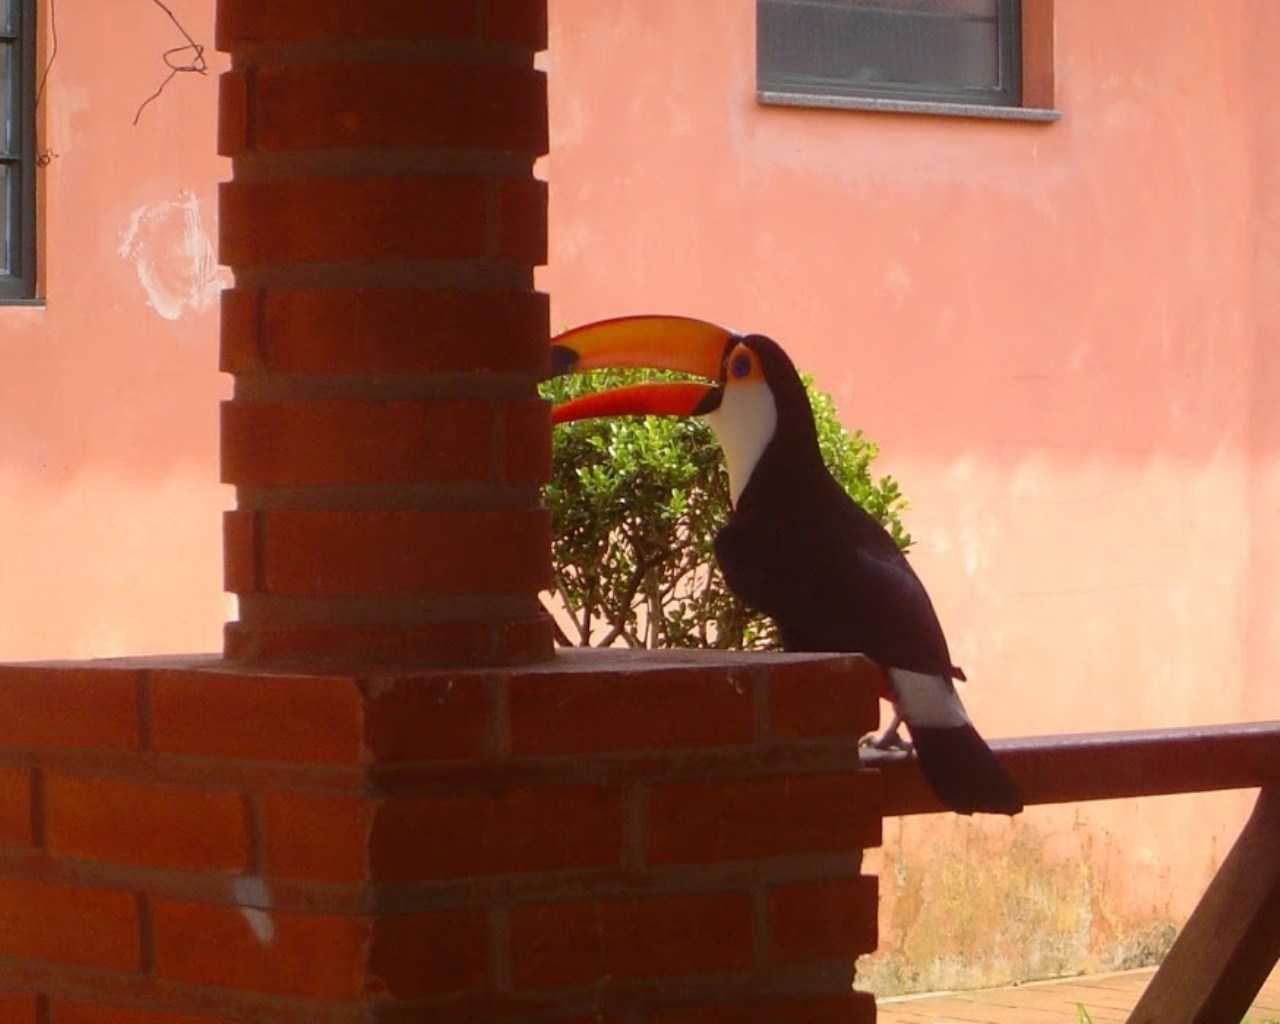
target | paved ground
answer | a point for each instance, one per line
(1107, 998)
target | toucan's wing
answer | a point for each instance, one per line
(902, 624)
(849, 588)
(838, 583)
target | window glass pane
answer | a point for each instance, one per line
(6, 205)
(7, 121)
(956, 8)
(17, 249)
(865, 43)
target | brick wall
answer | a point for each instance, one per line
(307, 830)
(616, 838)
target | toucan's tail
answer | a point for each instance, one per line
(962, 770)
(957, 763)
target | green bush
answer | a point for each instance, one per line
(636, 503)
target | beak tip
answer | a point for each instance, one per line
(563, 360)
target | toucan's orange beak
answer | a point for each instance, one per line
(654, 342)
(675, 398)
(657, 342)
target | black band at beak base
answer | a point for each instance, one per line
(711, 402)
(563, 360)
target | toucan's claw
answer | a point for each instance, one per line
(890, 739)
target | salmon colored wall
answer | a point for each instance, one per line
(1063, 338)
(109, 494)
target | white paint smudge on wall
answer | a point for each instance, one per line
(173, 255)
(252, 894)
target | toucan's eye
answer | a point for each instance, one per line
(740, 366)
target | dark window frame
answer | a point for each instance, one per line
(795, 87)
(18, 155)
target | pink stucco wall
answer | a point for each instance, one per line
(1063, 338)
(109, 494)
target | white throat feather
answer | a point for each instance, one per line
(744, 424)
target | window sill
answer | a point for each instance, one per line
(891, 106)
(21, 302)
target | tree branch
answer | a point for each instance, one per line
(197, 64)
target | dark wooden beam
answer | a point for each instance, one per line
(1107, 766)
(1232, 941)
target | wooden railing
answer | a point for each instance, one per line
(1232, 940)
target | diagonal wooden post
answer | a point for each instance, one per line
(1232, 939)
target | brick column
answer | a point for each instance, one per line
(385, 436)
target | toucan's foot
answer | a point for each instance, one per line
(890, 739)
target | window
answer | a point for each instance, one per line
(939, 56)
(17, 150)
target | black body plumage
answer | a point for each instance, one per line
(800, 550)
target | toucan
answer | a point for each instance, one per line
(796, 547)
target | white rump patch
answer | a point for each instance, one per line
(925, 700)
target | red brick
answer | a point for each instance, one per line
(241, 573)
(301, 220)
(596, 1018)
(660, 708)
(429, 954)
(437, 552)
(733, 819)
(823, 920)
(18, 1008)
(317, 836)
(258, 716)
(69, 925)
(427, 718)
(525, 641)
(64, 1011)
(15, 806)
(245, 21)
(233, 112)
(320, 956)
(518, 21)
(842, 1008)
(439, 836)
(64, 707)
(823, 699)
(490, 107)
(392, 331)
(145, 823)
(240, 313)
(582, 942)
(442, 644)
(525, 456)
(459, 835)
(349, 442)
(522, 220)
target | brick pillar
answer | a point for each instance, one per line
(385, 436)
